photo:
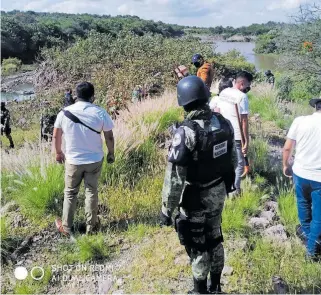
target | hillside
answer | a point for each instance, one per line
(137, 255)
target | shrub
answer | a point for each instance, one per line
(284, 85)
(10, 65)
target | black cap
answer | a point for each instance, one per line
(314, 101)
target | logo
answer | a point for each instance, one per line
(177, 140)
(220, 149)
(173, 154)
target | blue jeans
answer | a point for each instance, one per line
(308, 194)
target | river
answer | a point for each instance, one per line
(262, 62)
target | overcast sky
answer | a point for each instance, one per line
(203, 13)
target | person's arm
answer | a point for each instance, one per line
(57, 136)
(110, 143)
(287, 154)
(245, 127)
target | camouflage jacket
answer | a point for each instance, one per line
(175, 175)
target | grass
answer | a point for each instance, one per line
(39, 193)
(237, 210)
(21, 136)
(253, 269)
(259, 156)
(31, 286)
(87, 248)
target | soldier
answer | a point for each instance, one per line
(47, 122)
(5, 123)
(269, 77)
(199, 174)
(68, 100)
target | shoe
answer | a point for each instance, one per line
(199, 287)
(60, 227)
(215, 283)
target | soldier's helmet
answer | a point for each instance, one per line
(191, 89)
(268, 72)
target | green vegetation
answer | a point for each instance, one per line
(252, 30)
(266, 43)
(23, 33)
(10, 66)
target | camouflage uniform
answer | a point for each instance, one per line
(211, 258)
(5, 124)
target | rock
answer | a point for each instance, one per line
(269, 215)
(182, 260)
(271, 206)
(276, 233)
(259, 222)
(279, 285)
(24, 246)
(227, 270)
(11, 206)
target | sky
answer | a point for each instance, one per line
(200, 13)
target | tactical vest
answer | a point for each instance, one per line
(212, 156)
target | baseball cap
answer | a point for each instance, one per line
(314, 101)
(196, 57)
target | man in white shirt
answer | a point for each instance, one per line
(226, 105)
(82, 124)
(305, 136)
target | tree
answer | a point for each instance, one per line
(301, 43)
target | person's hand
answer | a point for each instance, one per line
(244, 149)
(165, 220)
(110, 158)
(287, 171)
(60, 158)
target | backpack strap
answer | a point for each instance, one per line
(75, 119)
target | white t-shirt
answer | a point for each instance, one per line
(306, 131)
(82, 145)
(213, 102)
(226, 103)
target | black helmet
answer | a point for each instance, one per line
(268, 72)
(191, 89)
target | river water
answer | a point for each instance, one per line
(17, 93)
(262, 62)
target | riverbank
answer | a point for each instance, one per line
(10, 83)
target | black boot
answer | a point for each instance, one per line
(215, 283)
(199, 287)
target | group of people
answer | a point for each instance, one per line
(205, 164)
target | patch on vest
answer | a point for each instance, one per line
(177, 140)
(220, 149)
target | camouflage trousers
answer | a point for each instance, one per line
(211, 257)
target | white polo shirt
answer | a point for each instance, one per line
(82, 145)
(226, 103)
(306, 131)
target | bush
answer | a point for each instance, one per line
(10, 65)
(284, 85)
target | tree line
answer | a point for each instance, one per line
(23, 34)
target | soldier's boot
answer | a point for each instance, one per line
(215, 283)
(200, 287)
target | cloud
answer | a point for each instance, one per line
(286, 4)
(202, 13)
